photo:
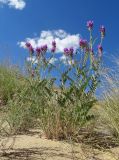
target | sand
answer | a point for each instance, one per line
(34, 147)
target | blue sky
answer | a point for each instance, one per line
(70, 15)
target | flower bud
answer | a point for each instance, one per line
(90, 25)
(44, 48)
(102, 31)
(83, 43)
(54, 44)
(28, 44)
(100, 50)
(66, 51)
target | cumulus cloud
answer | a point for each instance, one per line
(62, 38)
(66, 60)
(53, 60)
(32, 59)
(17, 4)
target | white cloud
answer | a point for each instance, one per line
(32, 59)
(53, 60)
(62, 38)
(66, 60)
(17, 4)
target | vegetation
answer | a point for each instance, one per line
(61, 106)
(110, 105)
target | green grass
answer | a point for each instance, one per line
(9, 82)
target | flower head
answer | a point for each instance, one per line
(44, 48)
(100, 49)
(38, 51)
(28, 44)
(71, 51)
(90, 25)
(31, 50)
(83, 43)
(54, 44)
(102, 31)
(66, 51)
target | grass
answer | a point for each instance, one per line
(9, 82)
(109, 113)
(34, 104)
(66, 112)
(25, 110)
(31, 103)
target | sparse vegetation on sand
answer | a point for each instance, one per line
(61, 107)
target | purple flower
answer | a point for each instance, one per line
(38, 51)
(44, 48)
(71, 51)
(66, 51)
(31, 50)
(102, 31)
(54, 44)
(83, 43)
(28, 44)
(90, 25)
(100, 49)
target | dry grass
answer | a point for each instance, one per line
(109, 110)
(101, 134)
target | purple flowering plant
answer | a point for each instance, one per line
(77, 81)
(57, 97)
(88, 63)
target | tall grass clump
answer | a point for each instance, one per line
(9, 82)
(110, 102)
(59, 105)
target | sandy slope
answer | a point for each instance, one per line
(33, 147)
